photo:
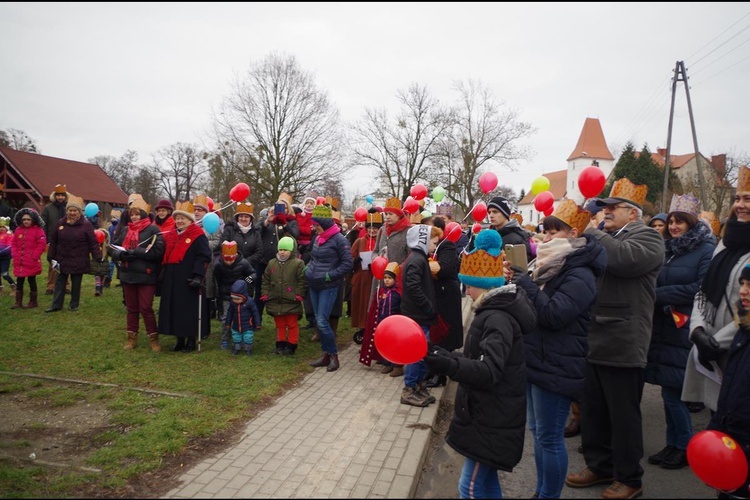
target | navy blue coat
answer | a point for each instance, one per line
(333, 257)
(679, 280)
(556, 350)
(242, 317)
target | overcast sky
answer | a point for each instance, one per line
(89, 79)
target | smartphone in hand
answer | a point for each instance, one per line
(516, 255)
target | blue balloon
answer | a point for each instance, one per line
(91, 209)
(211, 222)
(369, 198)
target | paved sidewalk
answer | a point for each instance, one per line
(336, 435)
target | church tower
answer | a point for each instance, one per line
(591, 149)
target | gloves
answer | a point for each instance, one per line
(195, 282)
(299, 297)
(328, 278)
(55, 265)
(708, 348)
(250, 280)
(440, 362)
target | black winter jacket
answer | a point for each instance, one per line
(249, 244)
(418, 300)
(145, 269)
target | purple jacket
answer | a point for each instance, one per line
(73, 245)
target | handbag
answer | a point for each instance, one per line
(439, 331)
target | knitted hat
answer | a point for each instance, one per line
(745, 273)
(501, 204)
(392, 269)
(573, 215)
(286, 243)
(323, 215)
(76, 202)
(686, 203)
(483, 266)
(625, 191)
(229, 249)
(393, 205)
(660, 216)
(140, 204)
(184, 208)
(164, 204)
(306, 209)
(201, 201)
(5, 222)
(244, 208)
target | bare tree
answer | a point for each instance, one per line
(486, 133)
(123, 170)
(182, 168)
(18, 140)
(402, 151)
(283, 126)
(720, 182)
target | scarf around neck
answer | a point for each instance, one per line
(550, 257)
(687, 242)
(132, 237)
(177, 244)
(328, 234)
(402, 224)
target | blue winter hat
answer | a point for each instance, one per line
(483, 266)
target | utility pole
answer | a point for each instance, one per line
(681, 75)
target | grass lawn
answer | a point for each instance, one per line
(159, 405)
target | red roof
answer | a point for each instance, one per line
(557, 185)
(591, 143)
(86, 180)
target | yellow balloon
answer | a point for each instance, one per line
(540, 184)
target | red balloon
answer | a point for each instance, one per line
(549, 211)
(320, 200)
(479, 212)
(452, 231)
(419, 191)
(360, 215)
(210, 203)
(377, 266)
(476, 227)
(717, 460)
(239, 192)
(100, 236)
(411, 206)
(400, 340)
(543, 201)
(487, 182)
(591, 181)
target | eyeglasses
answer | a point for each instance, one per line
(612, 208)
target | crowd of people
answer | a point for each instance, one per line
(606, 301)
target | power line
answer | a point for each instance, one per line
(721, 57)
(718, 36)
(721, 71)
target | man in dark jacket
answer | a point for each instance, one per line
(619, 337)
(51, 213)
(498, 211)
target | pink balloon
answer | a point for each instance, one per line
(479, 212)
(419, 191)
(487, 182)
(476, 227)
(411, 206)
(453, 231)
(320, 200)
(591, 181)
(360, 215)
(543, 201)
(400, 340)
(377, 266)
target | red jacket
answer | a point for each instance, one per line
(27, 248)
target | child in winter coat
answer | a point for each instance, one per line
(28, 246)
(283, 290)
(6, 237)
(304, 221)
(242, 318)
(228, 268)
(389, 293)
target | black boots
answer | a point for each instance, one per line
(290, 349)
(334, 364)
(280, 347)
(189, 345)
(324, 360)
(180, 345)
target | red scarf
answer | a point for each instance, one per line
(132, 237)
(176, 244)
(402, 224)
(369, 244)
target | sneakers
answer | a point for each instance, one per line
(398, 371)
(619, 490)
(411, 396)
(587, 478)
(658, 458)
(675, 460)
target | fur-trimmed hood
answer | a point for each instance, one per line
(35, 217)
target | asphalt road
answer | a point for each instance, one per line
(442, 465)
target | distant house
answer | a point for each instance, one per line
(30, 178)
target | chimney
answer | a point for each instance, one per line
(662, 152)
(719, 163)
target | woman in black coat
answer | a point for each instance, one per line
(139, 257)
(186, 256)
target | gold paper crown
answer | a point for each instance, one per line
(445, 208)
(374, 218)
(140, 203)
(573, 215)
(334, 202)
(201, 201)
(184, 206)
(244, 208)
(76, 201)
(686, 203)
(228, 248)
(116, 212)
(336, 215)
(743, 180)
(712, 220)
(322, 212)
(393, 202)
(60, 188)
(481, 264)
(393, 267)
(627, 191)
(518, 217)
(286, 198)
(134, 197)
